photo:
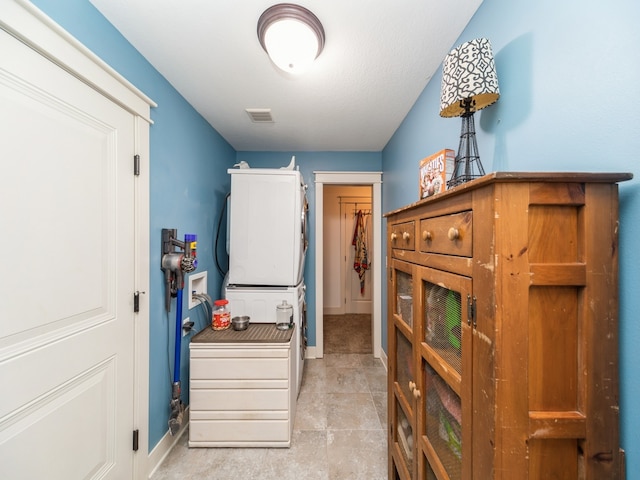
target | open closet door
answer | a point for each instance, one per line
(357, 244)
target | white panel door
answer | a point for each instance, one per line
(66, 316)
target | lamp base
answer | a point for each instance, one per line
(467, 164)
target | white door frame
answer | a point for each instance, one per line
(350, 178)
(29, 24)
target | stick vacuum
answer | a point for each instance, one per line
(175, 264)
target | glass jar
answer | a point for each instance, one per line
(284, 316)
(221, 315)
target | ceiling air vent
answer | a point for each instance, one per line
(260, 115)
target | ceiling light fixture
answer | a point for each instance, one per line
(291, 35)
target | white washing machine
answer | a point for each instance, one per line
(260, 304)
(267, 227)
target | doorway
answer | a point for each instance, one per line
(347, 245)
(372, 278)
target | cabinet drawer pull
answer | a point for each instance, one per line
(406, 235)
(412, 386)
(454, 234)
(426, 235)
(416, 393)
(394, 236)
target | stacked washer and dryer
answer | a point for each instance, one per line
(267, 248)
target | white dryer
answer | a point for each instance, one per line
(267, 227)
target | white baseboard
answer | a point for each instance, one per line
(164, 446)
(359, 307)
(333, 310)
(384, 359)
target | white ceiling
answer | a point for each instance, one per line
(378, 57)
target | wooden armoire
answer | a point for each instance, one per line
(503, 330)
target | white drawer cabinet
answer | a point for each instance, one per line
(242, 388)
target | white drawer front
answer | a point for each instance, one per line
(239, 431)
(204, 350)
(234, 416)
(269, 384)
(239, 399)
(239, 368)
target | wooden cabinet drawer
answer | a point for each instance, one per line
(448, 234)
(402, 236)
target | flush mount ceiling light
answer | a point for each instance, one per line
(291, 35)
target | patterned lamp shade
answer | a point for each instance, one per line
(468, 73)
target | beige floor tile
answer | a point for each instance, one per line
(346, 380)
(314, 377)
(368, 360)
(380, 402)
(342, 360)
(305, 460)
(376, 378)
(351, 411)
(357, 454)
(311, 411)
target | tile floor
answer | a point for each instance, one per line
(339, 432)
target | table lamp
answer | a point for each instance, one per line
(469, 84)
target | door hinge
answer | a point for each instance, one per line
(136, 165)
(136, 302)
(471, 311)
(136, 434)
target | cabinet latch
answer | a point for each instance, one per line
(471, 311)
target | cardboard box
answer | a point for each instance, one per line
(435, 172)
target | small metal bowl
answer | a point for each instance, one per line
(240, 323)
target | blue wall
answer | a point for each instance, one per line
(568, 74)
(189, 180)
